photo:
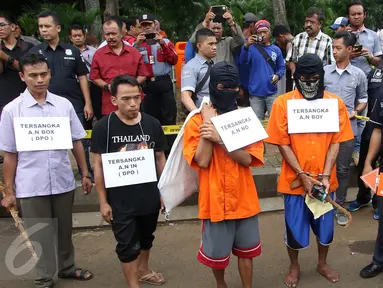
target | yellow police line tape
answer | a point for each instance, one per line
(364, 118)
(168, 130)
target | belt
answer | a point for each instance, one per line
(157, 78)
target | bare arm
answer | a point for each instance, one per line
(240, 156)
(360, 107)
(204, 153)
(100, 83)
(332, 154)
(289, 156)
(160, 161)
(292, 67)
(374, 61)
(84, 85)
(9, 172)
(374, 148)
(99, 179)
(186, 98)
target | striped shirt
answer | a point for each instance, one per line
(321, 46)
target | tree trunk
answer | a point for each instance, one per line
(96, 27)
(111, 8)
(280, 16)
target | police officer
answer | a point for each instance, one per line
(159, 56)
(67, 66)
(375, 148)
(363, 199)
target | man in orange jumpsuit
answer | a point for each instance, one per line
(228, 202)
(310, 158)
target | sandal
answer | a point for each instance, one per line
(153, 278)
(81, 277)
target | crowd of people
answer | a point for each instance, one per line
(122, 89)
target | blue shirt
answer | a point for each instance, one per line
(189, 52)
(244, 70)
(261, 72)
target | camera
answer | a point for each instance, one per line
(150, 35)
(319, 193)
(219, 10)
(258, 38)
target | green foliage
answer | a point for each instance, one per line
(68, 13)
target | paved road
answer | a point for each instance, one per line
(175, 249)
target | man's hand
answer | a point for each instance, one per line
(88, 112)
(4, 56)
(106, 212)
(208, 112)
(275, 79)
(241, 93)
(228, 17)
(250, 41)
(140, 38)
(209, 17)
(9, 201)
(162, 206)
(326, 183)
(209, 132)
(352, 114)
(356, 54)
(308, 183)
(86, 185)
(366, 53)
(159, 38)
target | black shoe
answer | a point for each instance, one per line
(371, 271)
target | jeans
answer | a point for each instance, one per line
(261, 103)
(85, 143)
(378, 254)
(343, 162)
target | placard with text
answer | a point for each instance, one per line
(239, 128)
(42, 133)
(314, 116)
(129, 168)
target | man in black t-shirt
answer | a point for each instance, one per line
(132, 209)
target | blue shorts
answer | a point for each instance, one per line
(299, 218)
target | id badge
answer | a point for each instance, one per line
(151, 59)
(379, 191)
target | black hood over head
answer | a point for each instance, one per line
(226, 74)
(309, 65)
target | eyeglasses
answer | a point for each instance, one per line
(3, 25)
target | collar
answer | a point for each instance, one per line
(201, 59)
(318, 37)
(360, 30)
(18, 44)
(109, 50)
(30, 101)
(334, 67)
(46, 46)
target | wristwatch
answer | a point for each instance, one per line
(10, 61)
(106, 88)
(232, 24)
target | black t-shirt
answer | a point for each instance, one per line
(374, 78)
(137, 199)
(66, 64)
(10, 83)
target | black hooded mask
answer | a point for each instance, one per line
(309, 65)
(226, 74)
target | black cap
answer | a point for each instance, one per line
(146, 18)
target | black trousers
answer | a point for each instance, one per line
(378, 254)
(160, 103)
(364, 193)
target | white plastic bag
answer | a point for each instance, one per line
(178, 180)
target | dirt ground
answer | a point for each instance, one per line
(176, 245)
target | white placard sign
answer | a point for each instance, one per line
(129, 168)
(42, 133)
(315, 116)
(239, 128)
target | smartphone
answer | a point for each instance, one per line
(219, 10)
(358, 48)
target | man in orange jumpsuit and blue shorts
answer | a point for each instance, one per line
(310, 158)
(228, 202)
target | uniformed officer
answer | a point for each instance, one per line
(363, 198)
(67, 66)
(196, 73)
(159, 56)
(375, 148)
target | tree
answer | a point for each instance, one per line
(111, 8)
(96, 26)
(280, 16)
